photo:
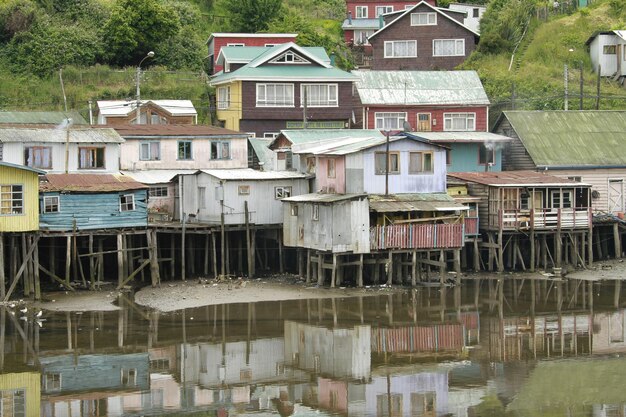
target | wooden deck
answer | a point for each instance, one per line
(542, 219)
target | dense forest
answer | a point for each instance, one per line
(94, 46)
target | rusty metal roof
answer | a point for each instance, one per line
(139, 131)
(88, 183)
(77, 134)
(515, 179)
(414, 202)
(323, 198)
(22, 167)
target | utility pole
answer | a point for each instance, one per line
(138, 79)
(565, 76)
(304, 106)
(598, 88)
(581, 85)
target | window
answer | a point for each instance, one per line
(184, 150)
(51, 204)
(389, 121)
(448, 47)
(394, 163)
(486, 155)
(91, 158)
(383, 9)
(330, 168)
(315, 213)
(319, 95)
(235, 44)
(420, 162)
(400, 49)
(389, 405)
(423, 19)
(155, 119)
(127, 202)
(282, 192)
(52, 381)
(424, 404)
(201, 197)
(243, 190)
(223, 98)
(271, 45)
(11, 200)
(289, 58)
(361, 12)
(423, 122)
(310, 165)
(274, 95)
(475, 12)
(294, 209)
(220, 150)
(150, 151)
(128, 377)
(459, 121)
(13, 402)
(361, 37)
(38, 157)
(157, 191)
(448, 157)
(609, 49)
(270, 135)
(561, 199)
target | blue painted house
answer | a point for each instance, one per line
(91, 201)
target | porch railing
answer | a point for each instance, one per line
(545, 219)
(471, 226)
(417, 236)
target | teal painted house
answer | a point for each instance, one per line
(91, 201)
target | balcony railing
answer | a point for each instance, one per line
(417, 236)
(545, 219)
(471, 226)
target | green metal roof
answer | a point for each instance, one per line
(242, 53)
(41, 117)
(572, 138)
(22, 167)
(420, 88)
(313, 135)
(262, 150)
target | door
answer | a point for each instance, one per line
(423, 122)
(616, 195)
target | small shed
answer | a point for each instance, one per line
(19, 187)
(91, 201)
(607, 50)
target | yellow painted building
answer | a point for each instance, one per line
(19, 198)
(229, 104)
(20, 394)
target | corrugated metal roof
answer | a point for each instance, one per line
(41, 117)
(361, 24)
(572, 138)
(245, 54)
(130, 131)
(262, 151)
(323, 198)
(88, 183)
(123, 107)
(515, 178)
(296, 136)
(348, 145)
(420, 88)
(157, 176)
(76, 134)
(469, 137)
(414, 202)
(620, 33)
(244, 174)
(25, 168)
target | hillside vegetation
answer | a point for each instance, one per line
(98, 43)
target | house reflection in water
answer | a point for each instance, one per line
(19, 394)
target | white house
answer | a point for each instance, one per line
(473, 13)
(607, 51)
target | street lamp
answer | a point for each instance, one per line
(138, 114)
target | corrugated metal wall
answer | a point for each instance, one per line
(29, 220)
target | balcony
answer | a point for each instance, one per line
(417, 236)
(544, 219)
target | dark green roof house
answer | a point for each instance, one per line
(41, 117)
(587, 145)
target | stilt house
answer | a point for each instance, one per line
(19, 192)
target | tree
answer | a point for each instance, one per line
(137, 27)
(252, 16)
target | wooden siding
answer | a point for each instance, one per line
(417, 236)
(200, 149)
(29, 219)
(371, 6)
(326, 184)
(465, 157)
(13, 152)
(233, 114)
(95, 211)
(436, 115)
(30, 382)
(424, 35)
(161, 206)
(515, 157)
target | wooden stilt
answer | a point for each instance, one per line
(590, 248)
(457, 264)
(340, 271)
(249, 243)
(558, 249)
(320, 269)
(92, 263)
(333, 275)
(100, 262)
(518, 253)
(2, 276)
(120, 259)
(442, 267)
(68, 260)
(491, 251)
(376, 270)
(19, 273)
(239, 255)
(414, 268)
(214, 249)
(308, 266)
(191, 251)
(74, 251)
(27, 276)
(300, 256)
(390, 268)
(206, 255)
(172, 256)
(151, 236)
(359, 272)
(227, 235)
(35, 243)
(617, 241)
(500, 252)
(183, 259)
(532, 251)
(476, 255)
(281, 259)
(52, 255)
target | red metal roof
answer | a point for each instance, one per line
(88, 183)
(522, 178)
(174, 130)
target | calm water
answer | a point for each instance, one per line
(487, 348)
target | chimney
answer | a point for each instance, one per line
(350, 18)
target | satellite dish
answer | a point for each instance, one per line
(406, 126)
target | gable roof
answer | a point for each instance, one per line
(420, 88)
(41, 117)
(297, 136)
(123, 107)
(249, 174)
(256, 71)
(619, 33)
(435, 9)
(247, 54)
(414, 202)
(515, 179)
(88, 183)
(250, 35)
(50, 135)
(22, 167)
(175, 131)
(261, 149)
(576, 139)
(156, 176)
(349, 145)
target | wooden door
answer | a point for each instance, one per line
(423, 122)
(616, 195)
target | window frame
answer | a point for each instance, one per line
(264, 102)
(428, 16)
(388, 8)
(379, 116)
(430, 121)
(28, 149)
(12, 199)
(201, 198)
(455, 115)
(382, 171)
(243, 189)
(560, 193)
(157, 191)
(482, 149)
(90, 149)
(363, 15)
(328, 89)
(293, 209)
(219, 144)
(331, 172)
(126, 203)
(358, 35)
(422, 170)
(282, 191)
(53, 378)
(149, 143)
(178, 150)
(393, 56)
(44, 205)
(315, 212)
(609, 49)
(456, 41)
(223, 98)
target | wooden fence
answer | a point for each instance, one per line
(417, 236)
